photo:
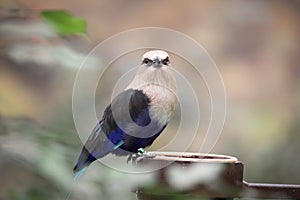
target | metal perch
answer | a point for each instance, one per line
(225, 182)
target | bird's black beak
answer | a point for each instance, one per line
(157, 63)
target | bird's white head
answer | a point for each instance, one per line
(154, 70)
(155, 58)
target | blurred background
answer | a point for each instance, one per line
(254, 43)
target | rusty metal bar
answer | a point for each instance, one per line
(228, 184)
(279, 191)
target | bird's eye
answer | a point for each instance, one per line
(147, 61)
(165, 61)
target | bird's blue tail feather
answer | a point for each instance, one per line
(79, 173)
(76, 178)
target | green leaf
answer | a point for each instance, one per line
(64, 23)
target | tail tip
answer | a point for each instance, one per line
(79, 173)
(75, 169)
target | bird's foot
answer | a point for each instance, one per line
(129, 158)
(135, 157)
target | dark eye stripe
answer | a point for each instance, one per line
(147, 61)
(165, 61)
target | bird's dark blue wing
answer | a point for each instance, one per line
(110, 135)
(96, 146)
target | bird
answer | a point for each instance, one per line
(137, 115)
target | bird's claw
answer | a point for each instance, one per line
(129, 158)
(135, 157)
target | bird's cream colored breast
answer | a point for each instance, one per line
(163, 102)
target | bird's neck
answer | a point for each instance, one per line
(162, 77)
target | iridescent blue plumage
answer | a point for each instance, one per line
(110, 136)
